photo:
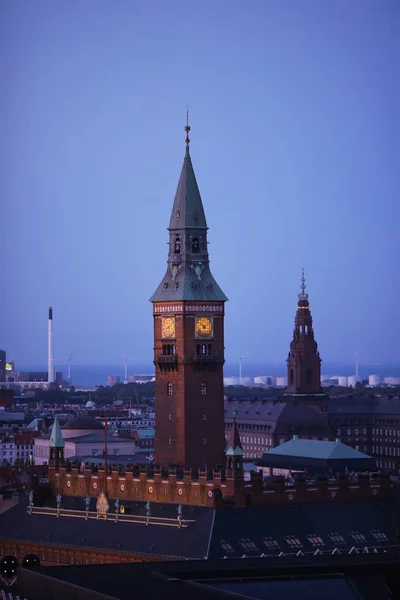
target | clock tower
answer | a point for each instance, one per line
(188, 311)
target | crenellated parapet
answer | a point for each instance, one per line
(217, 489)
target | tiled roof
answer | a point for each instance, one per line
(364, 406)
(274, 414)
(317, 449)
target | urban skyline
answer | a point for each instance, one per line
(296, 169)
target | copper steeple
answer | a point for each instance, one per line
(188, 275)
(303, 362)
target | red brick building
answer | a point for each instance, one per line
(188, 309)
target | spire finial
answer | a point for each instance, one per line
(303, 295)
(187, 128)
(303, 282)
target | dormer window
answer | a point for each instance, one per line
(195, 245)
(177, 245)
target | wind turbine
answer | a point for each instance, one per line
(69, 358)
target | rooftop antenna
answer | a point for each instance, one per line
(240, 365)
(69, 358)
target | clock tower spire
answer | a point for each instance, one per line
(188, 310)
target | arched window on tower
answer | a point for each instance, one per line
(203, 389)
(291, 376)
(209, 349)
(177, 245)
(306, 329)
(195, 245)
(309, 376)
(198, 349)
(204, 349)
(169, 389)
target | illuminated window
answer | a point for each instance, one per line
(247, 544)
(203, 389)
(315, 540)
(169, 389)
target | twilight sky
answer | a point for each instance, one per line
(295, 112)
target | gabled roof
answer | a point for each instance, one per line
(56, 438)
(317, 449)
(187, 211)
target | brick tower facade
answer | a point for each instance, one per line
(188, 310)
(303, 362)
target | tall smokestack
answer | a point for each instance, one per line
(50, 368)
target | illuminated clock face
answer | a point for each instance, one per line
(168, 327)
(203, 327)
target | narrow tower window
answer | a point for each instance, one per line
(195, 245)
(309, 376)
(203, 389)
(170, 389)
(177, 245)
(291, 377)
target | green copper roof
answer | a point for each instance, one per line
(234, 443)
(188, 208)
(187, 285)
(56, 438)
(317, 449)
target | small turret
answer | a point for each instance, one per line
(234, 452)
(56, 445)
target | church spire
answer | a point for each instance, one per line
(56, 446)
(188, 275)
(234, 444)
(303, 362)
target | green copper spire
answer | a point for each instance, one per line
(188, 275)
(56, 439)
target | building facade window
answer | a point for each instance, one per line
(170, 389)
(203, 389)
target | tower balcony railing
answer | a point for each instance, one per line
(208, 358)
(166, 359)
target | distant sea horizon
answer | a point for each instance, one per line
(91, 375)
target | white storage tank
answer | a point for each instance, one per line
(374, 380)
(392, 380)
(231, 381)
(262, 380)
(353, 380)
(281, 382)
(343, 381)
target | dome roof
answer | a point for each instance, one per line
(84, 423)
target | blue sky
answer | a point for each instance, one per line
(295, 112)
